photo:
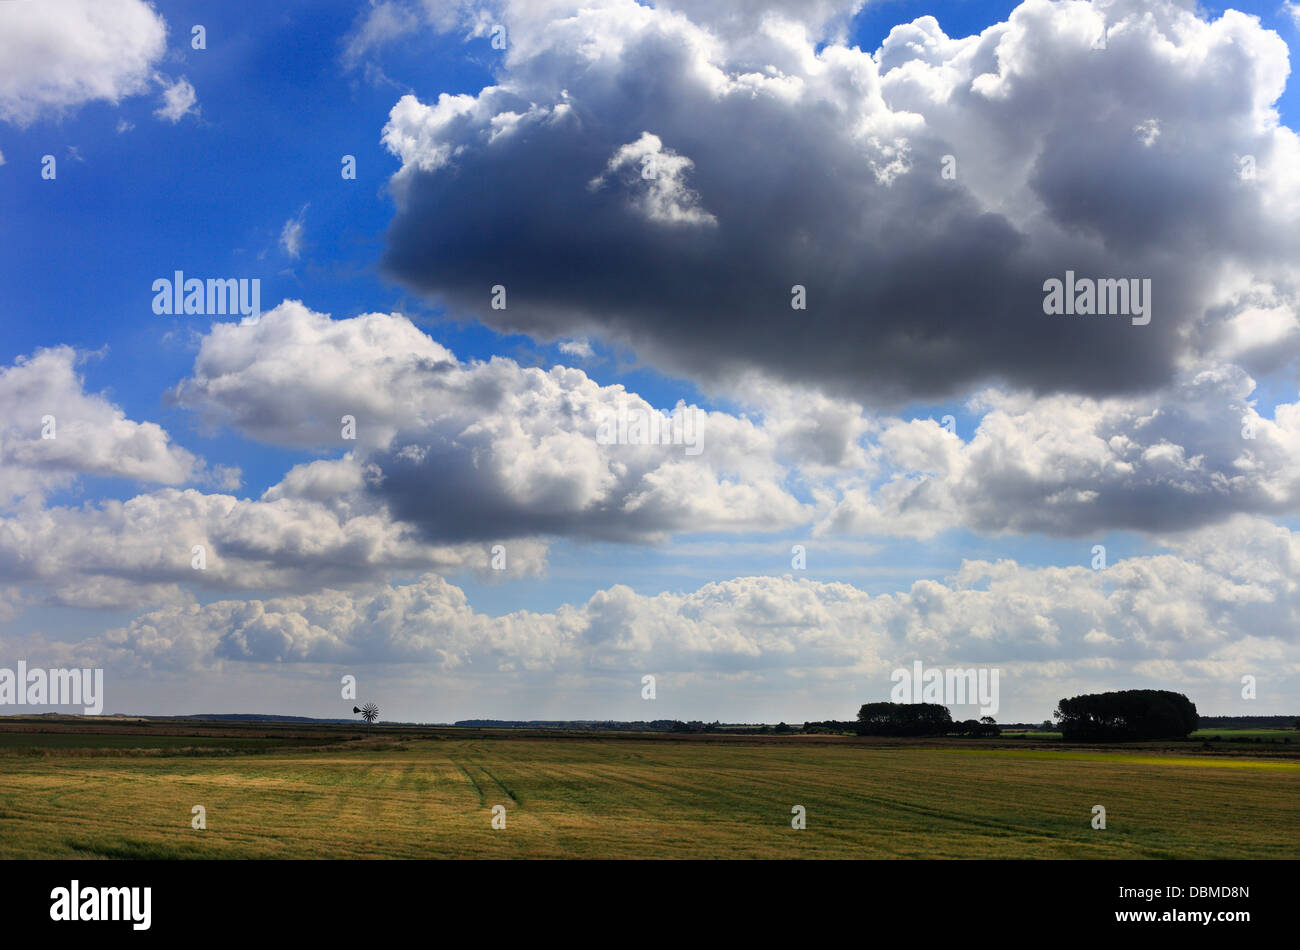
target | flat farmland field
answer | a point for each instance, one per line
(431, 795)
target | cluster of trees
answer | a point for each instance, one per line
(984, 726)
(1128, 714)
(918, 719)
(1125, 715)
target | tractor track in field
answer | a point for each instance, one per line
(500, 784)
(482, 799)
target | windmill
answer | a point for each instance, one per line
(369, 712)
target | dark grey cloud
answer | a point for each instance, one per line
(823, 172)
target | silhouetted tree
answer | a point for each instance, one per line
(904, 719)
(1127, 715)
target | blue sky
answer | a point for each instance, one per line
(279, 103)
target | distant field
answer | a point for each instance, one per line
(55, 741)
(419, 795)
(1276, 735)
(1291, 734)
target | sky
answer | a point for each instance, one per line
(820, 235)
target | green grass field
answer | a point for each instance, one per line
(427, 795)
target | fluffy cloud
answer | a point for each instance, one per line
(739, 19)
(484, 450)
(317, 527)
(1227, 606)
(450, 457)
(659, 177)
(580, 348)
(320, 525)
(491, 449)
(822, 167)
(179, 100)
(51, 431)
(142, 551)
(56, 56)
(1192, 455)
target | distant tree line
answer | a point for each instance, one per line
(693, 726)
(592, 725)
(1125, 715)
(833, 727)
(978, 728)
